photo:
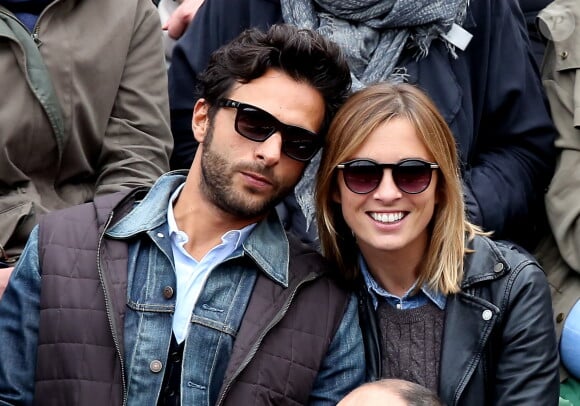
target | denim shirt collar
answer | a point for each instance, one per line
(267, 244)
(151, 212)
(377, 292)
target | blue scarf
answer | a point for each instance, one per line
(27, 11)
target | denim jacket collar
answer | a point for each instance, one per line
(267, 245)
(151, 212)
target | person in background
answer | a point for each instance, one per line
(175, 17)
(472, 58)
(559, 253)
(392, 392)
(440, 303)
(192, 293)
(84, 110)
(531, 8)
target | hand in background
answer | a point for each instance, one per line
(181, 17)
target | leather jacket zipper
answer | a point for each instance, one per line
(312, 276)
(108, 308)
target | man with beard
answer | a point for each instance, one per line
(192, 293)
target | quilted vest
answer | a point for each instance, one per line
(83, 302)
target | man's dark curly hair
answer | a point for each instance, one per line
(302, 54)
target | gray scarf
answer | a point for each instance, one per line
(372, 35)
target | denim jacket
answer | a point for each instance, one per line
(148, 320)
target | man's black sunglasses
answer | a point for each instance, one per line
(411, 176)
(258, 125)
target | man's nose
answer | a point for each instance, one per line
(270, 150)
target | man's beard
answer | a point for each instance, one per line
(217, 185)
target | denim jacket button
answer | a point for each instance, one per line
(168, 292)
(498, 267)
(155, 366)
(486, 315)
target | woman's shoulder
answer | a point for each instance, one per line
(491, 259)
(505, 274)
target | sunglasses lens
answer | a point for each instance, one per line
(362, 176)
(412, 176)
(258, 125)
(254, 124)
(299, 143)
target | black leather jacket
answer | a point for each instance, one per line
(499, 344)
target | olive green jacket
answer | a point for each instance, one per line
(105, 62)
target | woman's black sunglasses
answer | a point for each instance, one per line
(411, 176)
(258, 125)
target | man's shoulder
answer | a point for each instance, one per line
(303, 251)
(93, 213)
(305, 259)
(103, 202)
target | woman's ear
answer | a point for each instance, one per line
(200, 120)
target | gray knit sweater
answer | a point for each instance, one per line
(411, 343)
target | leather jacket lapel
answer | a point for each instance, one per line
(469, 322)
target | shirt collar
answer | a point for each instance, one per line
(376, 291)
(234, 237)
(266, 243)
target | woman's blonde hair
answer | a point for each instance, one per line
(363, 113)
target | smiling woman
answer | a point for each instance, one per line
(441, 304)
(396, 127)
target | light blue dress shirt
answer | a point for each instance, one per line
(191, 274)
